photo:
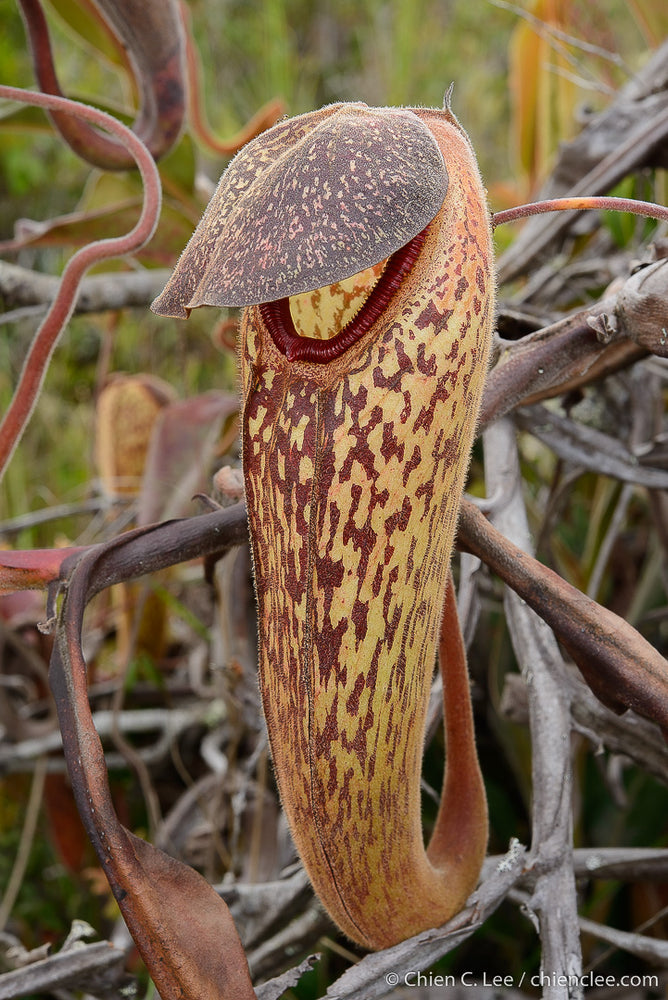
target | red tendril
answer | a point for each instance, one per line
(46, 338)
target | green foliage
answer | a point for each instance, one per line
(626, 229)
(382, 53)
(51, 897)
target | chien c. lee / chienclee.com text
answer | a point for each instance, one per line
(587, 980)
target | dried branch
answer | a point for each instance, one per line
(87, 967)
(589, 448)
(260, 908)
(302, 933)
(19, 286)
(549, 712)
(650, 949)
(20, 757)
(627, 734)
(275, 988)
(619, 665)
(628, 864)
(582, 348)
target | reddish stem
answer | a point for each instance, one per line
(198, 124)
(32, 569)
(581, 204)
(46, 338)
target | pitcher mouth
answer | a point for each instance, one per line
(277, 315)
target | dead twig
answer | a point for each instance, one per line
(589, 448)
(88, 967)
(549, 713)
(21, 287)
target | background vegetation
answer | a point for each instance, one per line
(381, 53)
